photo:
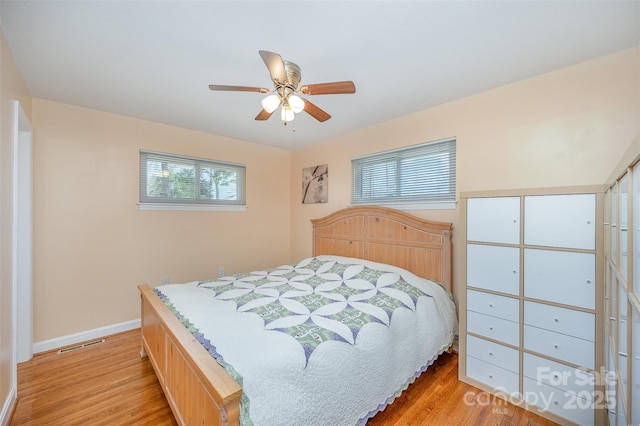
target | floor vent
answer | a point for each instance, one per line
(81, 346)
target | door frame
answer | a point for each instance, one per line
(22, 237)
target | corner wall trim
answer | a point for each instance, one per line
(9, 406)
(72, 339)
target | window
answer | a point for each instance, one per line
(174, 182)
(419, 176)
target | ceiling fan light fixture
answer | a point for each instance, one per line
(270, 103)
(286, 113)
(296, 103)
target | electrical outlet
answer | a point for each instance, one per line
(220, 272)
(165, 280)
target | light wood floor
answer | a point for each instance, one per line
(109, 384)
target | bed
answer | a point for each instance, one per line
(214, 374)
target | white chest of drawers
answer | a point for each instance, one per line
(530, 308)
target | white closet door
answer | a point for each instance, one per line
(635, 368)
(495, 220)
(560, 221)
(494, 268)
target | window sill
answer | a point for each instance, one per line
(441, 205)
(191, 207)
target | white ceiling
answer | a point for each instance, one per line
(154, 59)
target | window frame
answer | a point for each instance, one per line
(192, 203)
(423, 201)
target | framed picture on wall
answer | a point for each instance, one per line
(315, 184)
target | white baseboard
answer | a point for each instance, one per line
(8, 407)
(83, 336)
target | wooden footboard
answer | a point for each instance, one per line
(198, 389)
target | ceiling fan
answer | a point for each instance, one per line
(286, 78)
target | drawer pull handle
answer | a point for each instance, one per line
(588, 222)
(515, 220)
(556, 319)
(588, 281)
(490, 353)
(515, 272)
(555, 402)
(555, 346)
(491, 305)
(490, 327)
(491, 376)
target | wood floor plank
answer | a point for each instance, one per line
(109, 384)
(106, 384)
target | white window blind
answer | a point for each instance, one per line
(175, 179)
(424, 173)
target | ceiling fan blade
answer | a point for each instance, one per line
(263, 115)
(335, 88)
(315, 112)
(274, 63)
(238, 88)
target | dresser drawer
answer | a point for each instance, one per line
(494, 305)
(561, 277)
(561, 346)
(493, 327)
(561, 320)
(494, 268)
(563, 377)
(493, 353)
(558, 402)
(498, 378)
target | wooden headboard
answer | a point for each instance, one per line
(388, 236)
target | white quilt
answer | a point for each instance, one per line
(327, 341)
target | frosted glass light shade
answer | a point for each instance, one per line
(296, 103)
(270, 103)
(286, 113)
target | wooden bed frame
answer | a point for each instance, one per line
(199, 390)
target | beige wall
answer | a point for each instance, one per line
(93, 245)
(568, 127)
(12, 87)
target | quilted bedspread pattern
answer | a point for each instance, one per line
(328, 340)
